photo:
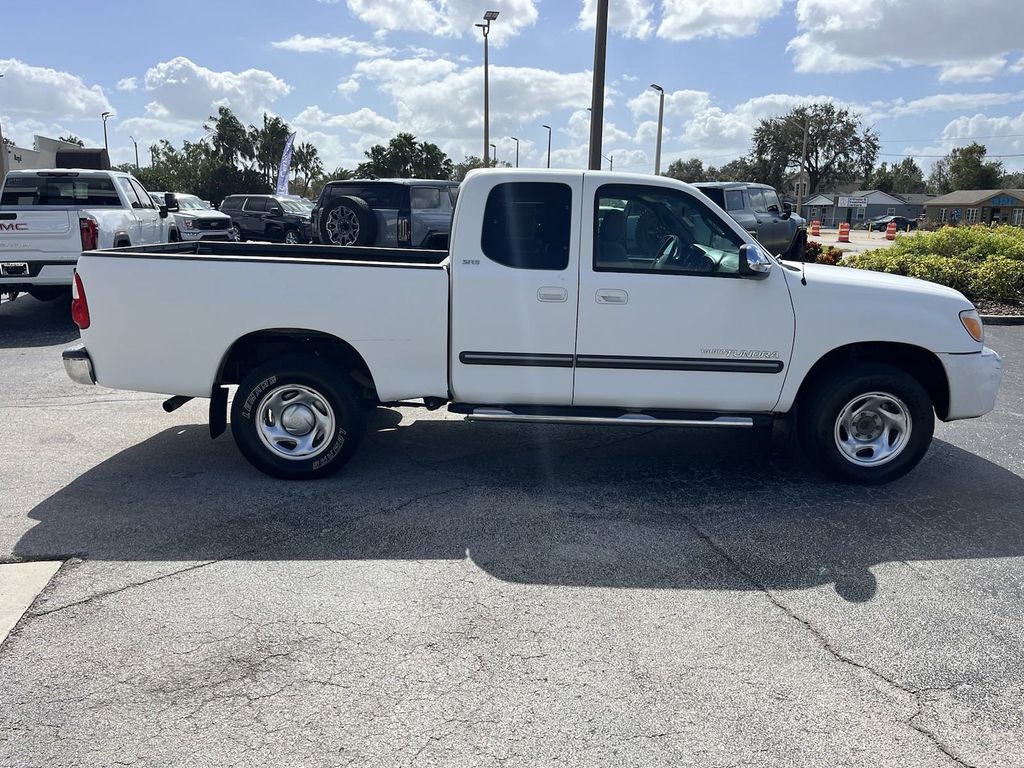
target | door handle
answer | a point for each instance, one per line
(612, 296)
(553, 294)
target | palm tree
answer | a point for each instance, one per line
(228, 136)
(306, 160)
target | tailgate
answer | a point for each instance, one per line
(36, 234)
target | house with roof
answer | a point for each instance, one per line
(978, 206)
(858, 207)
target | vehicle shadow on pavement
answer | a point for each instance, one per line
(26, 322)
(584, 506)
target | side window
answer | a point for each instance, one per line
(527, 224)
(644, 229)
(771, 201)
(129, 192)
(453, 195)
(426, 198)
(144, 198)
(256, 204)
(230, 204)
(757, 201)
(734, 200)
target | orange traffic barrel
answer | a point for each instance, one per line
(815, 228)
(844, 233)
(890, 231)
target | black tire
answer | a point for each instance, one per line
(820, 409)
(172, 236)
(354, 207)
(49, 293)
(328, 382)
(235, 233)
(297, 238)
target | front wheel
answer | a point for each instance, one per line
(867, 423)
(291, 237)
(297, 418)
(235, 233)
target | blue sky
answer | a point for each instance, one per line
(928, 74)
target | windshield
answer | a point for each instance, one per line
(70, 190)
(293, 207)
(190, 203)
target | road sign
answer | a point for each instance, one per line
(853, 202)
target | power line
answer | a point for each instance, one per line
(914, 154)
(958, 138)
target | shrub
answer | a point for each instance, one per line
(999, 279)
(937, 269)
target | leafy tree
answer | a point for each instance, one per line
(839, 147)
(306, 160)
(198, 169)
(406, 158)
(905, 176)
(740, 169)
(690, 171)
(1012, 181)
(470, 163)
(965, 168)
(231, 142)
(268, 145)
(72, 139)
(338, 174)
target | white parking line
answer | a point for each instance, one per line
(20, 583)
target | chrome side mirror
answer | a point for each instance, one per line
(753, 264)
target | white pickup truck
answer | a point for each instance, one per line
(48, 217)
(567, 297)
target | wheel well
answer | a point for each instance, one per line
(255, 349)
(920, 363)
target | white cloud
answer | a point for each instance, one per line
(981, 70)
(348, 86)
(363, 121)
(127, 83)
(332, 44)
(446, 18)
(405, 71)
(689, 19)
(157, 123)
(952, 102)
(960, 38)
(1018, 67)
(1000, 135)
(41, 91)
(683, 103)
(186, 90)
(630, 17)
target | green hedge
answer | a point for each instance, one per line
(981, 262)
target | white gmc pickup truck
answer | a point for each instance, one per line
(567, 297)
(48, 217)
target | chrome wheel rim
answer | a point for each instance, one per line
(234, 234)
(342, 226)
(873, 429)
(290, 237)
(295, 422)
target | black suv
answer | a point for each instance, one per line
(266, 217)
(757, 208)
(393, 213)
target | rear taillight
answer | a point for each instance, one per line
(90, 234)
(79, 304)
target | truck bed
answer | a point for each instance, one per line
(246, 251)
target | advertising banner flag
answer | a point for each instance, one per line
(286, 162)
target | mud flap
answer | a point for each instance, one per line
(218, 411)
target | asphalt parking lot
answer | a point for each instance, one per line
(478, 595)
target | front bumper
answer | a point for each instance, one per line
(78, 365)
(973, 383)
(206, 234)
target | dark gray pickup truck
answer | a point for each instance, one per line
(757, 208)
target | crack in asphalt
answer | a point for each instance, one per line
(828, 647)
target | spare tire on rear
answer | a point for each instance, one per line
(347, 221)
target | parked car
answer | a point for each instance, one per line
(191, 218)
(396, 213)
(759, 210)
(545, 309)
(902, 222)
(266, 217)
(49, 217)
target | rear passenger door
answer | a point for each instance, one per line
(515, 282)
(251, 220)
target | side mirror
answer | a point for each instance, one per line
(787, 207)
(753, 264)
(170, 202)
(163, 211)
(276, 211)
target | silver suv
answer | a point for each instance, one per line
(757, 208)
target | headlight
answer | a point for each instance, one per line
(189, 223)
(973, 325)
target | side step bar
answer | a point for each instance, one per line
(596, 417)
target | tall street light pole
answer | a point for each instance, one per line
(806, 126)
(661, 125)
(549, 144)
(136, 153)
(105, 116)
(489, 16)
(494, 158)
(517, 149)
(597, 99)
(3, 151)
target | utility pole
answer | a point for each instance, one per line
(611, 162)
(3, 150)
(494, 159)
(803, 166)
(136, 152)
(489, 16)
(597, 99)
(549, 144)
(517, 149)
(105, 116)
(661, 125)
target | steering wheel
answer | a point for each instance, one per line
(668, 252)
(672, 255)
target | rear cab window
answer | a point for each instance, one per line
(60, 190)
(527, 225)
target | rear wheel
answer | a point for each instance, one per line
(297, 418)
(866, 423)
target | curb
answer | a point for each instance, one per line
(1002, 319)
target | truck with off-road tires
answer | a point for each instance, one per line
(49, 217)
(390, 213)
(566, 297)
(758, 209)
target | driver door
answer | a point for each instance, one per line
(665, 320)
